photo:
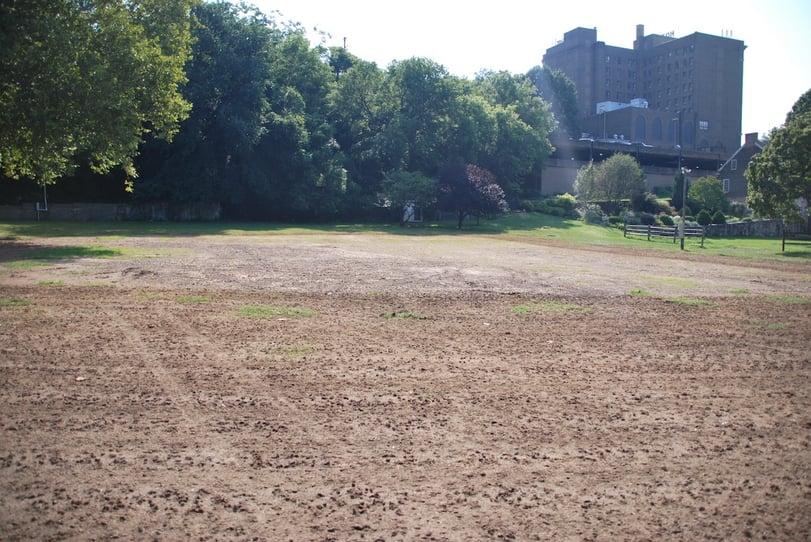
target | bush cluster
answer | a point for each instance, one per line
(563, 205)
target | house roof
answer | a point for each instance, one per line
(758, 145)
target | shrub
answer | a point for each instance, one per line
(567, 202)
(719, 218)
(593, 214)
(703, 217)
(530, 205)
(630, 218)
(647, 219)
(666, 220)
(646, 203)
(615, 220)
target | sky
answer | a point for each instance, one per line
(513, 35)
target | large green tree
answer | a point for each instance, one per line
(618, 178)
(780, 176)
(86, 80)
(306, 175)
(423, 93)
(408, 189)
(361, 109)
(469, 190)
(523, 124)
(708, 194)
(212, 156)
(585, 183)
(557, 89)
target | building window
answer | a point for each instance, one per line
(726, 186)
(656, 130)
(641, 133)
(703, 125)
(733, 165)
(607, 59)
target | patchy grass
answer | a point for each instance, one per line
(672, 282)
(25, 264)
(270, 311)
(194, 299)
(548, 306)
(638, 292)
(404, 315)
(45, 257)
(740, 291)
(789, 299)
(73, 252)
(771, 326)
(50, 283)
(14, 302)
(512, 225)
(690, 302)
(289, 351)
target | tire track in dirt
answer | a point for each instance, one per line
(179, 396)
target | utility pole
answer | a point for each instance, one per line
(682, 225)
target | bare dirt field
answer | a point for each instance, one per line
(378, 387)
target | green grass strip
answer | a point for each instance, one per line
(270, 311)
(14, 302)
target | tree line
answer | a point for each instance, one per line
(188, 102)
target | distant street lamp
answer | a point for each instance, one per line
(591, 147)
(682, 224)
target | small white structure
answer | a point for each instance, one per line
(411, 213)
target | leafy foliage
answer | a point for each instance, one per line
(679, 190)
(708, 193)
(719, 218)
(88, 80)
(703, 217)
(406, 187)
(469, 190)
(618, 178)
(278, 129)
(781, 175)
(557, 89)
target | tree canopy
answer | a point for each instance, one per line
(469, 190)
(87, 80)
(708, 194)
(254, 119)
(618, 178)
(560, 92)
(780, 176)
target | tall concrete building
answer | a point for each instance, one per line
(666, 91)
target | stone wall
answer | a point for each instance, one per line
(109, 212)
(753, 228)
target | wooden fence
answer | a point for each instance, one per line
(664, 231)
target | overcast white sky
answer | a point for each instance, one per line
(513, 35)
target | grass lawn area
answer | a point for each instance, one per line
(511, 225)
